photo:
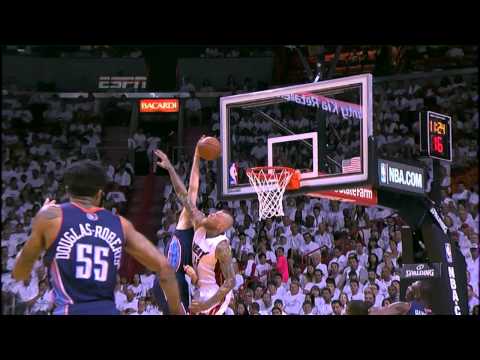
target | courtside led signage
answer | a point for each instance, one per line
(159, 105)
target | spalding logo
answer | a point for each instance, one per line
(92, 217)
(174, 254)
(420, 267)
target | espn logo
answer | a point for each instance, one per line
(159, 105)
(122, 82)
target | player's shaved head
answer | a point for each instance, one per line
(218, 222)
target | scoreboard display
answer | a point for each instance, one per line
(436, 135)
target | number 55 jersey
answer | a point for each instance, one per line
(83, 260)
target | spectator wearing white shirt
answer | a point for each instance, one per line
(281, 289)
(334, 291)
(334, 272)
(120, 297)
(42, 304)
(326, 307)
(26, 291)
(141, 308)
(354, 265)
(147, 279)
(123, 178)
(461, 193)
(385, 281)
(117, 196)
(8, 172)
(17, 238)
(339, 258)
(355, 294)
(322, 237)
(318, 281)
(369, 298)
(472, 299)
(35, 181)
(307, 308)
(296, 237)
(131, 304)
(13, 190)
(335, 217)
(308, 245)
(262, 269)
(473, 262)
(266, 305)
(294, 299)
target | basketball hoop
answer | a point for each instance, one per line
(270, 183)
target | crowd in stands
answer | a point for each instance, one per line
(41, 136)
(321, 255)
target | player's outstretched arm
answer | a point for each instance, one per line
(224, 257)
(397, 308)
(36, 243)
(196, 215)
(144, 252)
(185, 222)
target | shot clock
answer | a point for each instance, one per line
(436, 135)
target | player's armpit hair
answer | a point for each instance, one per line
(49, 213)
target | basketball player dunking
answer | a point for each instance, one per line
(179, 248)
(213, 270)
(84, 245)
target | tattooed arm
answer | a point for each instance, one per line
(196, 215)
(185, 222)
(224, 257)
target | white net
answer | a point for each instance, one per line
(270, 184)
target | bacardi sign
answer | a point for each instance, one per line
(159, 105)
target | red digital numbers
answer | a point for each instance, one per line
(436, 132)
(437, 143)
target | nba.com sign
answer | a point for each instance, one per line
(401, 176)
(159, 105)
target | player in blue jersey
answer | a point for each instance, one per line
(179, 248)
(418, 302)
(83, 246)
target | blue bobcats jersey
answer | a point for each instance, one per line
(84, 259)
(179, 253)
(417, 308)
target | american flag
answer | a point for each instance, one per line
(351, 165)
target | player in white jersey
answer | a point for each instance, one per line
(212, 271)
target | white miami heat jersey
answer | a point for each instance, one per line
(207, 267)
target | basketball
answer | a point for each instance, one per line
(209, 148)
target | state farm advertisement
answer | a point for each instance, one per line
(159, 105)
(365, 196)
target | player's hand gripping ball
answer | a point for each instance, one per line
(209, 148)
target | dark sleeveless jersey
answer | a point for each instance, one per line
(84, 259)
(417, 308)
(179, 253)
